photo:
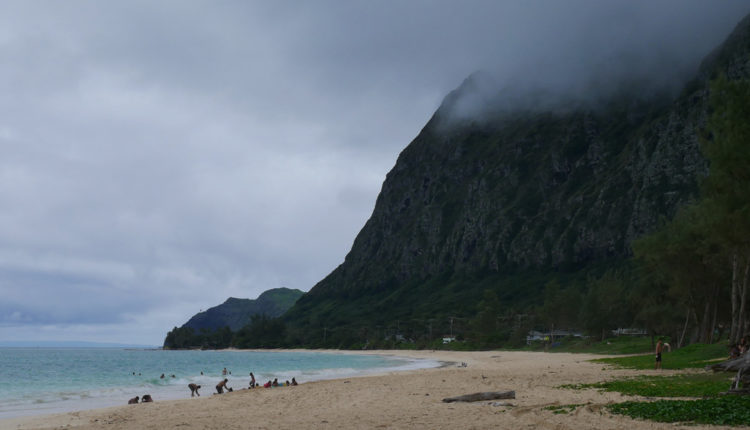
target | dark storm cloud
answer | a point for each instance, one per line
(581, 56)
(159, 157)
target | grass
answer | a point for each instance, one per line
(615, 345)
(563, 409)
(700, 385)
(689, 357)
(727, 410)
(711, 409)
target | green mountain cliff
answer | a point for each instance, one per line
(515, 199)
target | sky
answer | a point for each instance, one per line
(157, 158)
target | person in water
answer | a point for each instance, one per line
(221, 386)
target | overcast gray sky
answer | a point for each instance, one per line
(159, 157)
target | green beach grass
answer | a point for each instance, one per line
(690, 357)
(697, 385)
(615, 345)
(725, 410)
(713, 408)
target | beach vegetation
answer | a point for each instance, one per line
(687, 385)
(725, 410)
(693, 356)
(611, 345)
(563, 409)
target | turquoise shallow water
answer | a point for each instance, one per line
(50, 380)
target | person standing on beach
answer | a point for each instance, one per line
(252, 380)
(659, 349)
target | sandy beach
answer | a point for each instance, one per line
(402, 400)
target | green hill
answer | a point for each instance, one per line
(236, 313)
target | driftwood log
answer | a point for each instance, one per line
(476, 397)
(741, 365)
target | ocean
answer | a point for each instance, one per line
(35, 381)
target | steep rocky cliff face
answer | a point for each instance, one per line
(522, 191)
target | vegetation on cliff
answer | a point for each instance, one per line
(217, 327)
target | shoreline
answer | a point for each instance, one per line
(400, 399)
(101, 397)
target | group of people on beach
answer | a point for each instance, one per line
(145, 399)
(737, 350)
(222, 385)
(276, 383)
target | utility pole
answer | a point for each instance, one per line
(325, 332)
(451, 318)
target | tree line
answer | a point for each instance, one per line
(262, 332)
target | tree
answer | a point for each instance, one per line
(262, 332)
(560, 308)
(485, 324)
(604, 305)
(180, 338)
(687, 258)
(727, 188)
